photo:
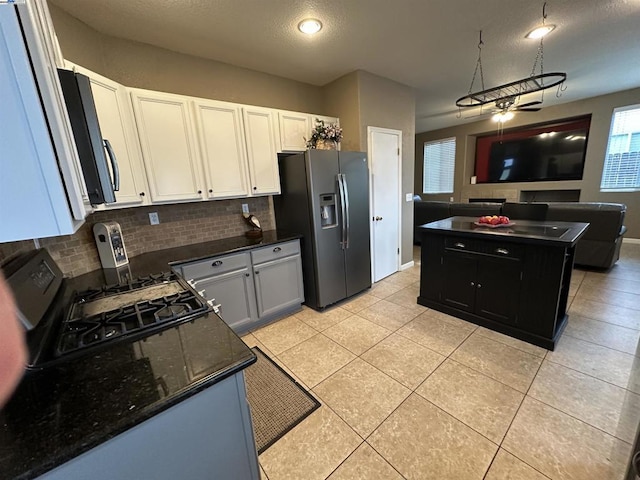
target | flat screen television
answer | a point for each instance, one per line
(543, 153)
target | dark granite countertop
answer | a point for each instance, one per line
(60, 412)
(522, 231)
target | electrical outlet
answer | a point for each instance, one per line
(245, 208)
(153, 218)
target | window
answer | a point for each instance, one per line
(439, 162)
(621, 170)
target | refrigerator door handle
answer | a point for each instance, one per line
(346, 207)
(343, 211)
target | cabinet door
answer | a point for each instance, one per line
(41, 194)
(222, 148)
(278, 285)
(235, 292)
(117, 126)
(294, 128)
(169, 149)
(261, 150)
(498, 289)
(458, 281)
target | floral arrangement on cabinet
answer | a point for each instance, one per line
(325, 136)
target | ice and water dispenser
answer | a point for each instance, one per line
(328, 217)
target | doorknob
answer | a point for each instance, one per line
(378, 219)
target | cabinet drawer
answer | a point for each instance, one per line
(497, 248)
(273, 252)
(215, 266)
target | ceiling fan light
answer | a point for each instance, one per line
(502, 117)
(540, 31)
(310, 26)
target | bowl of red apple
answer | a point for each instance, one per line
(494, 221)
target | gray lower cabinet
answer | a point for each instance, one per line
(278, 285)
(208, 435)
(252, 287)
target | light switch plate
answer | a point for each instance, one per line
(408, 197)
(245, 208)
(153, 218)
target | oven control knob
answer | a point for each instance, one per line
(202, 292)
(214, 306)
(191, 282)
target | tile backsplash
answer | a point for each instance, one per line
(180, 224)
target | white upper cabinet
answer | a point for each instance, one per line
(118, 128)
(259, 125)
(222, 148)
(42, 191)
(294, 128)
(169, 147)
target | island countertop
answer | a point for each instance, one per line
(522, 231)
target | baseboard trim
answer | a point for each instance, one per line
(633, 241)
(407, 266)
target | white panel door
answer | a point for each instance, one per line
(261, 150)
(117, 126)
(384, 157)
(294, 128)
(222, 148)
(168, 144)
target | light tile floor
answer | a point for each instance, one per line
(411, 393)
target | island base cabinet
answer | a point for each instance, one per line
(208, 435)
(518, 290)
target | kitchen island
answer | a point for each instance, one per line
(169, 405)
(513, 279)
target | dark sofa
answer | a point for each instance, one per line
(599, 248)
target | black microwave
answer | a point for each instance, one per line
(101, 178)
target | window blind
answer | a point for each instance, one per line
(439, 165)
(621, 170)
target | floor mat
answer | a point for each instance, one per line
(278, 403)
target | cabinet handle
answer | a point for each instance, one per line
(479, 286)
(199, 192)
(459, 245)
(257, 272)
(502, 251)
(473, 284)
(141, 194)
(210, 190)
(246, 275)
(217, 263)
(255, 188)
(277, 249)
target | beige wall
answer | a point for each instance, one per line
(601, 109)
(342, 99)
(388, 104)
(140, 65)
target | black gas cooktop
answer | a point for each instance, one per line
(63, 325)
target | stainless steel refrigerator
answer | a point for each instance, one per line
(325, 197)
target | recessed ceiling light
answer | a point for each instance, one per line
(310, 26)
(540, 32)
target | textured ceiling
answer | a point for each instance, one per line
(427, 44)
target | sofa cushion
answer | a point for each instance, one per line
(605, 219)
(474, 209)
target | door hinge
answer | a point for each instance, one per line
(398, 251)
(398, 151)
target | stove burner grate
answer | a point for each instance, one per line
(141, 318)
